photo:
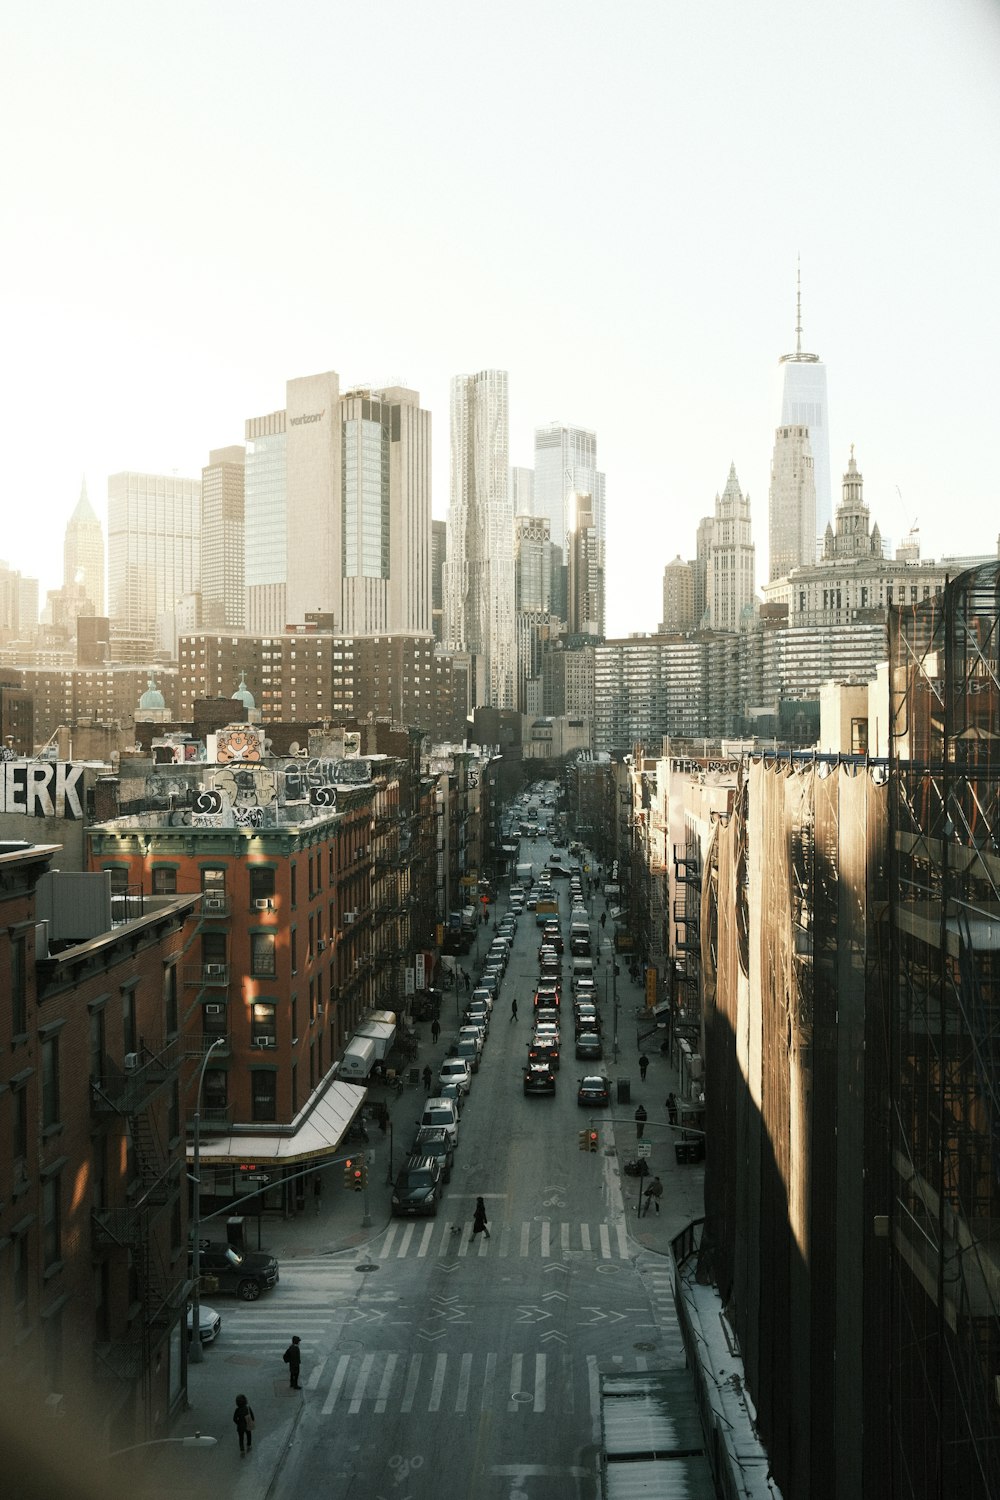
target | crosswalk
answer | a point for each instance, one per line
(542, 1239)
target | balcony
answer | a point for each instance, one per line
(207, 976)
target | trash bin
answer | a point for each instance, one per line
(624, 1090)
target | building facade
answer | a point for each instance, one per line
(730, 565)
(83, 553)
(804, 404)
(154, 548)
(265, 524)
(223, 581)
(566, 465)
(584, 570)
(791, 515)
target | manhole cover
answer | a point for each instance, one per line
(521, 1396)
(644, 1348)
(366, 1266)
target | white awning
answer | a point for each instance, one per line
(318, 1135)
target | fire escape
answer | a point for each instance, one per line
(135, 1236)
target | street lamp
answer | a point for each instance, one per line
(197, 1440)
(195, 1353)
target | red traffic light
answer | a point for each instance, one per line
(593, 1140)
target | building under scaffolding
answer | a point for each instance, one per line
(850, 954)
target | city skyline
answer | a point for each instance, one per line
(862, 141)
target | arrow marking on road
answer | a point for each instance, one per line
(553, 1333)
(555, 1297)
(430, 1337)
(531, 1315)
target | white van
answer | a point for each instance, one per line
(443, 1115)
(582, 968)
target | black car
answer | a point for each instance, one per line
(588, 1045)
(594, 1091)
(246, 1272)
(586, 1018)
(430, 1140)
(539, 1079)
(544, 1052)
(417, 1189)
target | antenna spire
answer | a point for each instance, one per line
(798, 304)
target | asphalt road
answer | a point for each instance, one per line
(434, 1364)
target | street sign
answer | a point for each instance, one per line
(644, 1148)
(420, 970)
(410, 981)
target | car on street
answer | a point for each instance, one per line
(208, 1319)
(456, 1070)
(539, 1079)
(594, 1092)
(246, 1272)
(584, 989)
(550, 987)
(553, 937)
(544, 1051)
(467, 1050)
(585, 1018)
(482, 995)
(443, 1113)
(452, 1092)
(490, 979)
(470, 1031)
(531, 901)
(431, 1140)
(418, 1187)
(589, 1045)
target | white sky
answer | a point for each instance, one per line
(201, 200)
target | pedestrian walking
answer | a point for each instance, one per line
(653, 1194)
(479, 1220)
(604, 920)
(428, 1075)
(468, 982)
(435, 1029)
(672, 1108)
(293, 1359)
(513, 1009)
(643, 1065)
(244, 1418)
(640, 1122)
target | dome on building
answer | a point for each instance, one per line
(243, 694)
(152, 698)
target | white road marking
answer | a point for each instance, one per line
(437, 1384)
(412, 1377)
(539, 1382)
(386, 1384)
(359, 1385)
(515, 1380)
(343, 1364)
(465, 1373)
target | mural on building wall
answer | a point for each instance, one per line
(301, 777)
(248, 793)
(41, 789)
(237, 742)
(322, 796)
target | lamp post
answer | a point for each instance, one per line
(197, 1440)
(195, 1353)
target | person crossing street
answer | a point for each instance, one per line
(513, 1009)
(653, 1194)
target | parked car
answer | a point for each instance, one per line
(472, 1031)
(456, 1070)
(552, 988)
(585, 1018)
(589, 1045)
(208, 1319)
(247, 1272)
(584, 989)
(417, 1189)
(467, 1050)
(453, 1093)
(443, 1113)
(594, 1091)
(431, 1140)
(546, 1015)
(477, 1012)
(539, 1078)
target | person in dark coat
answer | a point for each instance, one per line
(643, 1065)
(672, 1108)
(653, 1194)
(640, 1122)
(479, 1220)
(244, 1418)
(435, 1029)
(513, 1009)
(428, 1077)
(293, 1359)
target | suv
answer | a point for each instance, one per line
(245, 1272)
(443, 1113)
(431, 1140)
(417, 1189)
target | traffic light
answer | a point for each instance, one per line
(349, 1172)
(584, 1138)
(592, 1140)
(360, 1173)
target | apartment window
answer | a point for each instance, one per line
(213, 953)
(295, 1018)
(263, 1094)
(164, 881)
(19, 1126)
(312, 1001)
(293, 882)
(261, 886)
(264, 1031)
(262, 960)
(50, 1083)
(170, 998)
(97, 1042)
(213, 882)
(128, 1021)
(215, 1090)
(293, 948)
(19, 985)
(51, 1221)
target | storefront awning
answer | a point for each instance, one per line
(318, 1135)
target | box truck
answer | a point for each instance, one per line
(359, 1058)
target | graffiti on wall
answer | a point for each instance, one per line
(42, 789)
(301, 777)
(237, 742)
(245, 793)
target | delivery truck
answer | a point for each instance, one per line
(359, 1058)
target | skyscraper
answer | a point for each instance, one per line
(678, 597)
(154, 547)
(339, 510)
(83, 553)
(584, 571)
(479, 573)
(439, 551)
(532, 600)
(265, 524)
(729, 578)
(566, 465)
(223, 593)
(804, 404)
(522, 491)
(791, 510)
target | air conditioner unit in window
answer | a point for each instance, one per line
(131, 1061)
(321, 945)
(214, 903)
(350, 916)
(263, 903)
(263, 1041)
(214, 971)
(215, 1010)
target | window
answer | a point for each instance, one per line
(213, 883)
(215, 1092)
(261, 886)
(19, 986)
(264, 1095)
(293, 946)
(294, 883)
(97, 1042)
(50, 1083)
(51, 1221)
(263, 1031)
(164, 881)
(128, 1021)
(262, 962)
(170, 998)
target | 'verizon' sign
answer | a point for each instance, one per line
(41, 789)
